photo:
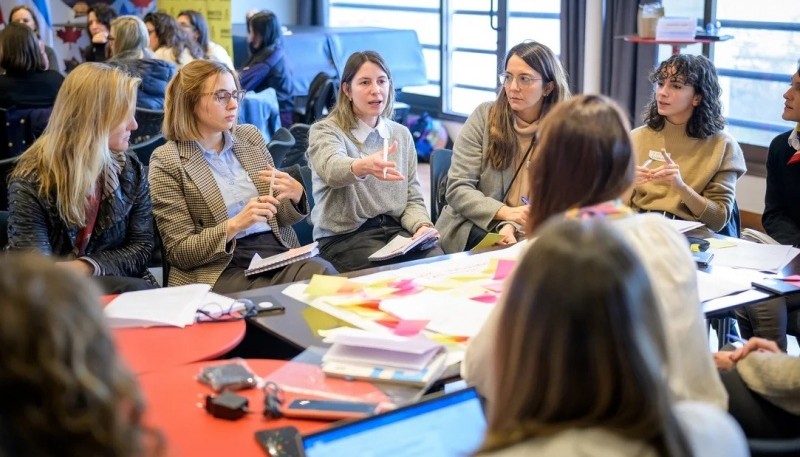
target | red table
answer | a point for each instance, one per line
(148, 349)
(174, 402)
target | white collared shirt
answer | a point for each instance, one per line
(793, 140)
(363, 130)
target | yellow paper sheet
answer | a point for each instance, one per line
(324, 285)
(488, 241)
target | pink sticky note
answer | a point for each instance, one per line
(403, 284)
(486, 298)
(407, 327)
(409, 291)
(504, 268)
(790, 278)
(794, 283)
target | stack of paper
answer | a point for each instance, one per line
(359, 354)
(755, 256)
(168, 306)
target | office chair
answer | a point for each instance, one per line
(280, 145)
(3, 229)
(322, 94)
(774, 448)
(145, 149)
(149, 121)
(304, 229)
(297, 153)
(440, 165)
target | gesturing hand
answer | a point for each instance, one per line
(374, 165)
(284, 185)
(669, 173)
(258, 209)
(643, 175)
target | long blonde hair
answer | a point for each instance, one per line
(73, 150)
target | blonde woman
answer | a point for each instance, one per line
(79, 196)
(217, 197)
(129, 51)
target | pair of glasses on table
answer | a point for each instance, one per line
(225, 310)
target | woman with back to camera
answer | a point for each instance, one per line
(696, 178)
(129, 51)
(67, 391)
(26, 82)
(579, 369)
(488, 178)
(268, 65)
(196, 26)
(364, 200)
(82, 197)
(593, 131)
(24, 15)
(213, 198)
(169, 41)
(98, 22)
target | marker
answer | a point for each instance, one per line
(271, 182)
(525, 200)
(385, 154)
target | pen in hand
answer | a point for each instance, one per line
(525, 200)
(385, 154)
(272, 182)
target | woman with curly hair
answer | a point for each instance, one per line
(169, 41)
(66, 391)
(687, 165)
(98, 23)
(487, 185)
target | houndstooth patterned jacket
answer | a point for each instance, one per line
(191, 214)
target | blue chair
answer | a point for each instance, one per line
(145, 149)
(734, 226)
(440, 165)
(304, 228)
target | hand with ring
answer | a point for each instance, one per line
(258, 209)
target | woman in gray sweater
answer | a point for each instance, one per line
(363, 199)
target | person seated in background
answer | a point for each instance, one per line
(212, 191)
(579, 363)
(781, 218)
(24, 15)
(687, 166)
(99, 24)
(267, 65)
(129, 51)
(79, 196)
(169, 41)
(763, 385)
(196, 26)
(487, 183)
(67, 390)
(592, 131)
(364, 199)
(27, 82)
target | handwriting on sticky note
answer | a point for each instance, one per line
(324, 285)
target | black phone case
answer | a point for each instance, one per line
(281, 442)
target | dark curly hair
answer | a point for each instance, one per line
(65, 390)
(171, 35)
(104, 14)
(700, 73)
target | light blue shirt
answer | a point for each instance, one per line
(233, 182)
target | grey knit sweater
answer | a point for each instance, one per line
(343, 202)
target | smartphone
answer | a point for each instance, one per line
(328, 409)
(281, 441)
(775, 286)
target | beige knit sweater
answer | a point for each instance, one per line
(710, 166)
(776, 376)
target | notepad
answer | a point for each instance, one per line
(402, 245)
(259, 265)
(167, 306)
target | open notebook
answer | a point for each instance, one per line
(447, 425)
(259, 265)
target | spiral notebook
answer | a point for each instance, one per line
(259, 265)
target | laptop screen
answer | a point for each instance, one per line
(448, 425)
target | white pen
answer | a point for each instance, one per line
(385, 154)
(271, 182)
(647, 163)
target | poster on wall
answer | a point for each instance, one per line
(63, 23)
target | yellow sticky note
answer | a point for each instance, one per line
(446, 284)
(367, 313)
(716, 243)
(379, 292)
(488, 241)
(347, 301)
(325, 285)
(472, 277)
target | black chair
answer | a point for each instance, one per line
(774, 448)
(440, 164)
(304, 228)
(322, 95)
(19, 128)
(3, 229)
(149, 121)
(6, 166)
(297, 153)
(145, 149)
(734, 226)
(280, 145)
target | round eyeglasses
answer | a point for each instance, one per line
(522, 80)
(223, 96)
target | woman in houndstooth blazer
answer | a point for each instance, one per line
(210, 186)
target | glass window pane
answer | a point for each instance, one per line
(474, 69)
(472, 5)
(464, 101)
(755, 101)
(432, 64)
(471, 31)
(685, 8)
(545, 31)
(430, 90)
(410, 3)
(540, 6)
(771, 51)
(426, 25)
(770, 11)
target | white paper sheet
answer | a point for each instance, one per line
(712, 286)
(447, 314)
(166, 306)
(754, 256)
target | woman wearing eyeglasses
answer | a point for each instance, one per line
(212, 191)
(487, 185)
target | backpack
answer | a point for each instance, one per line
(420, 130)
(322, 94)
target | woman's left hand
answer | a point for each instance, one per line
(421, 231)
(509, 233)
(284, 185)
(669, 173)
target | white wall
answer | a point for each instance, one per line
(750, 191)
